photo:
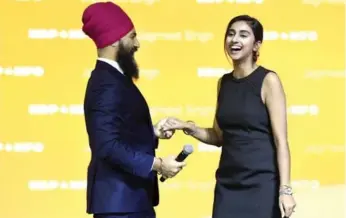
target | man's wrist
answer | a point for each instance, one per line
(155, 131)
(157, 166)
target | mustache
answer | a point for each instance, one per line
(133, 50)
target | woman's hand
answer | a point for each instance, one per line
(287, 204)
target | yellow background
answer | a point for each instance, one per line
(312, 73)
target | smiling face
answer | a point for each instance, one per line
(243, 38)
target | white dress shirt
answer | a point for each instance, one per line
(112, 63)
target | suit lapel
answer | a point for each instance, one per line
(105, 66)
(146, 108)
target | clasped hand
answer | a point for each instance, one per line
(165, 129)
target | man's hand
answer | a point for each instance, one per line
(160, 132)
(168, 166)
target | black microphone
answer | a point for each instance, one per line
(187, 150)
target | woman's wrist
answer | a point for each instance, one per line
(286, 184)
(190, 128)
(285, 190)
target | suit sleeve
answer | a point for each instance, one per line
(105, 118)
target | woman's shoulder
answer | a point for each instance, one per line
(267, 70)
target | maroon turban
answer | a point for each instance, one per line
(105, 23)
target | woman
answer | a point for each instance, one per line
(253, 178)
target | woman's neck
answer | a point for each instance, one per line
(241, 70)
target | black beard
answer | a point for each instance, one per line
(127, 62)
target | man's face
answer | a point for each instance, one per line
(128, 45)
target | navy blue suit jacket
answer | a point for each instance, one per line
(122, 143)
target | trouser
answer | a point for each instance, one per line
(148, 214)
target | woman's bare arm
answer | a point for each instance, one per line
(275, 100)
(211, 136)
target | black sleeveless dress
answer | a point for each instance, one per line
(247, 180)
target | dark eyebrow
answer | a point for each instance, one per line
(244, 31)
(241, 31)
(134, 34)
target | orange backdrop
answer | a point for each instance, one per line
(45, 62)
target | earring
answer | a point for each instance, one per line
(257, 54)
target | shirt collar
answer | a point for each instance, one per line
(112, 63)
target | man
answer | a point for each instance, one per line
(122, 174)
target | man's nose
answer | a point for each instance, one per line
(136, 44)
